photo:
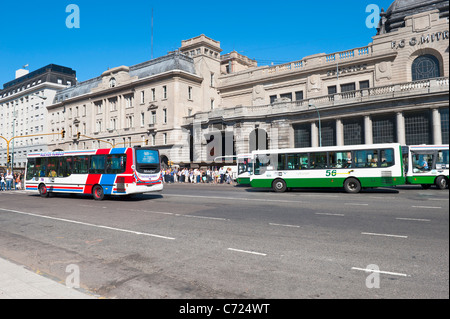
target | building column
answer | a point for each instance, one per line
(368, 132)
(401, 134)
(437, 130)
(314, 135)
(339, 133)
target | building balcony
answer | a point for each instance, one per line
(343, 99)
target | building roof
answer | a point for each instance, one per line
(400, 9)
(172, 61)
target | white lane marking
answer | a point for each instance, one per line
(415, 219)
(329, 214)
(384, 235)
(282, 225)
(202, 217)
(437, 199)
(236, 198)
(178, 215)
(382, 272)
(88, 224)
(427, 207)
(356, 204)
(247, 252)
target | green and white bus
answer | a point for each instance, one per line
(351, 167)
(427, 165)
(245, 168)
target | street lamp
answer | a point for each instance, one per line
(320, 124)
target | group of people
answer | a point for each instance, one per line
(10, 181)
(196, 176)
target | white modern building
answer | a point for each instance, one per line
(23, 110)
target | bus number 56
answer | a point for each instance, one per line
(331, 173)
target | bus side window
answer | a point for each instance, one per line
(442, 160)
(387, 158)
(80, 165)
(31, 169)
(97, 164)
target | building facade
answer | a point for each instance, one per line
(196, 104)
(395, 89)
(23, 109)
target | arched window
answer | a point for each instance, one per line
(425, 67)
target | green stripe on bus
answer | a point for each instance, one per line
(331, 182)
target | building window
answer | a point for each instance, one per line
(153, 95)
(353, 132)
(348, 87)
(384, 129)
(302, 136)
(112, 82)
(417, 128)
(286, 96)
(332, 90)
(425, 67)
(299, 95)
(273, 98)
(113, 124)
(212, 104)
(363, 85)
(165, 138)
(164, 92)
(165, 116)
(444, 125)
(142, 97)
(212, 80)
(129, 101)
(153, 118)
(142, 119)
(190, 93)
(328, 133)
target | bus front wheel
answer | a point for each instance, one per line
(352, 186)
(279, 186)
(98, 193)
(441, 182)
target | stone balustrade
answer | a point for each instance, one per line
(339, 99)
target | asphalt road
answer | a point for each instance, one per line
(220, 241)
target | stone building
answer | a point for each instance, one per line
(395, 89)
(196, 103)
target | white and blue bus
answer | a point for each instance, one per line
(115, 172)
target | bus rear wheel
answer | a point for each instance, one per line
(441, 182)
(98, 193)
(279, 186)
(43, 191)
(352, 186)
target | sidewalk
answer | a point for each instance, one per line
(16, 282)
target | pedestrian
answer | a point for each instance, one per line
(2, 182)
(9, 180)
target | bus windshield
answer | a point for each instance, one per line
(147, 157)
(147, 161)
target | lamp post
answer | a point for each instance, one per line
(320, 124)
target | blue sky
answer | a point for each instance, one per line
(114, 33)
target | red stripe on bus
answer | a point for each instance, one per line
(91, 181)
(102, 152)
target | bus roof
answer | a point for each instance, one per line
(78, 152)
(327, 148)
